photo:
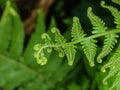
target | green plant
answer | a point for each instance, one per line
(18, 69)
(88, 44)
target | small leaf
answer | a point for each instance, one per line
(5, 30)
(59, 39)
(116, 1)
(109, 42)
(114, 65)
(77, 33)
(60, 51)
(89, 48)
(48, 40)
(39, 54)
(40, 58)
(114, 11)
(17, 41)
(70, 53)
(98, 24)
(52, 23)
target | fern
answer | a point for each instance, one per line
(113, 64)
(114, 12)
(109, 43)
(5, 21)
(18, 65)
(99, 27)
(89, 48)
(98, 24)
(116, 1)
(77, 32)
(70, 53)
(88, 42)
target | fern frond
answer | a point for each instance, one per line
(59, 39)
(76, 33)
(114, 11)
(39, 49)
(89, 48)
(46, 37)
(109, 42)
(98, 24)
(114, 65)
(116, 1)
(70, 53)
(99, 27)
(116, 83)
(88, 43)
(39, 55)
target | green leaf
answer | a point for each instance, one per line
(116, 1)
(39, 54)
(59, 39)
(77, 33)
(17, 39)
(70, 53)
(99, 27)
(14, 71)
(114, 11)
(48, 40)
(99, 80)
(24, 73)
(109, 43)
(116, 83)
(114, 65)
(90, 48)
(11, 69)
(98, 24)
(5, 30)
(52, 23)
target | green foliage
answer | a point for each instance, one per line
(5, 30)
(114, 12)
(116, 1)
(113, 64)
(19, 70)
(99, 27)
(76, 32)
(88, 43)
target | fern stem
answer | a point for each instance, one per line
(96, 36)
(47, 46)
(76, 42)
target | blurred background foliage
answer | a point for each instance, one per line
(18, 68)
